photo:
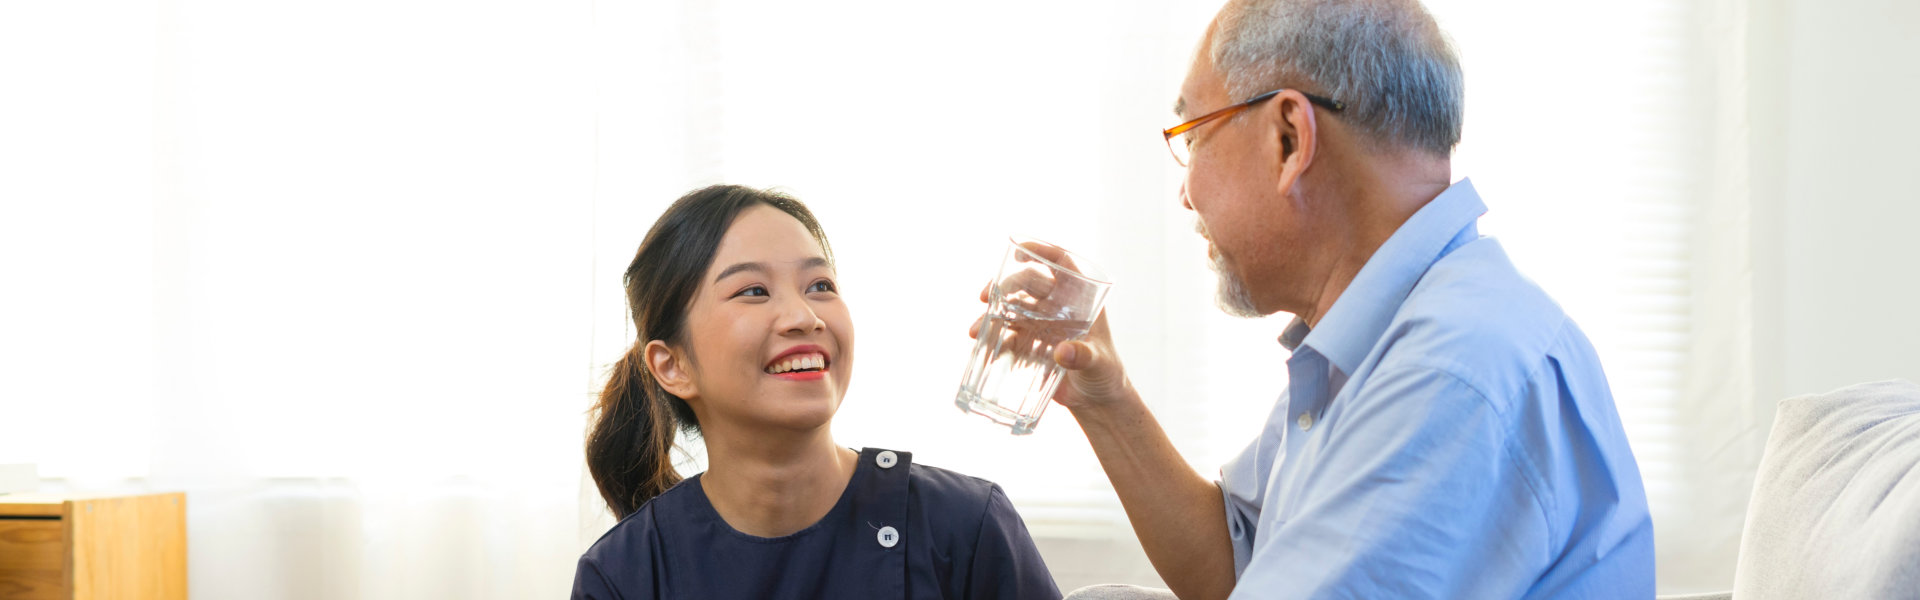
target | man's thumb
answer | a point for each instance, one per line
(1073, 356)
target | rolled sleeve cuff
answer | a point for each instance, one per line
(1239, 491)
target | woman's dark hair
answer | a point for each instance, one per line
(629, 444)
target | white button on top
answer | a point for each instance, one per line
(886, 459)
(889, 537)
(1306, 421)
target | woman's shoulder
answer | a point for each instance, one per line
(947, 492)
(635, 534)
(947, 482)
(627, 560)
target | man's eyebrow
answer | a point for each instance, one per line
(1180, 107)
(809, 263)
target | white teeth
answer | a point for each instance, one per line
(813, 361)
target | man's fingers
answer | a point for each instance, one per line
(1053, 254)
(974, 331)
(1038, 285)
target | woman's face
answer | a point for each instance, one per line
(771, 341)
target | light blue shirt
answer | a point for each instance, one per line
(1446, 433)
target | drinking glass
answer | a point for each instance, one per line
(1042, 296)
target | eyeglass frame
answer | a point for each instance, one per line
(1171, 132)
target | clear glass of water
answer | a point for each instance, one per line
(1043, 296)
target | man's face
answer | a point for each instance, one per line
(1232, 186)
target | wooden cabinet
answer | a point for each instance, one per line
(65, 547)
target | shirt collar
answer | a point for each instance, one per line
(1361, 314)
(1296, 332)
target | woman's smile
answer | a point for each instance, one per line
(800, 363)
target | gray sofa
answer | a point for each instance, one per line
(1835, 510)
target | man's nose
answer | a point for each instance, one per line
(1185, 202)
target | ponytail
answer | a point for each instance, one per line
(629, 449)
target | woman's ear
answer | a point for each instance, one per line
(670, 370)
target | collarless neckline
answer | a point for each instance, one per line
(840, 506)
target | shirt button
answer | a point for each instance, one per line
(886, 459)
(888, 537)
(1306, 421)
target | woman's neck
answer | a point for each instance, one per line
(774, 485)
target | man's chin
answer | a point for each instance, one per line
(1233, 297)
(1231, 294)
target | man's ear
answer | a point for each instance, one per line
(1299, 138)
(671, 370)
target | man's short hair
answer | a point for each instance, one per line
(1386, 59)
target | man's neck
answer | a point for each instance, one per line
(1380, 196)
(775, 485)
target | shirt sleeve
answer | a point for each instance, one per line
(590, 584)
(1243, 483)
(1006, 564)
(1418, 493)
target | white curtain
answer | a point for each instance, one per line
(325, 267)
(348, 273)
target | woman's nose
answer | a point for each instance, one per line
(797, 317)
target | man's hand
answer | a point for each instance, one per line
(1179, 515)
(1094, 377)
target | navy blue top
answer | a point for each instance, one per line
(900, 530)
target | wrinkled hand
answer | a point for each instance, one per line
(1093, 375)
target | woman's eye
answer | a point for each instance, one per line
(755, 291)
(822, 286)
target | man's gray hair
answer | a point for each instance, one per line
(1386, 59)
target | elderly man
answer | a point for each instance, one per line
(1446, 431)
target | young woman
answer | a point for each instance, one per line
(743, 337)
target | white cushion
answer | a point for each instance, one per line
(1835, 511)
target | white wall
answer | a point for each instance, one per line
(1837, 203)
(1804, 257)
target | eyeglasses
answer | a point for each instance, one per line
(1183, 149)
